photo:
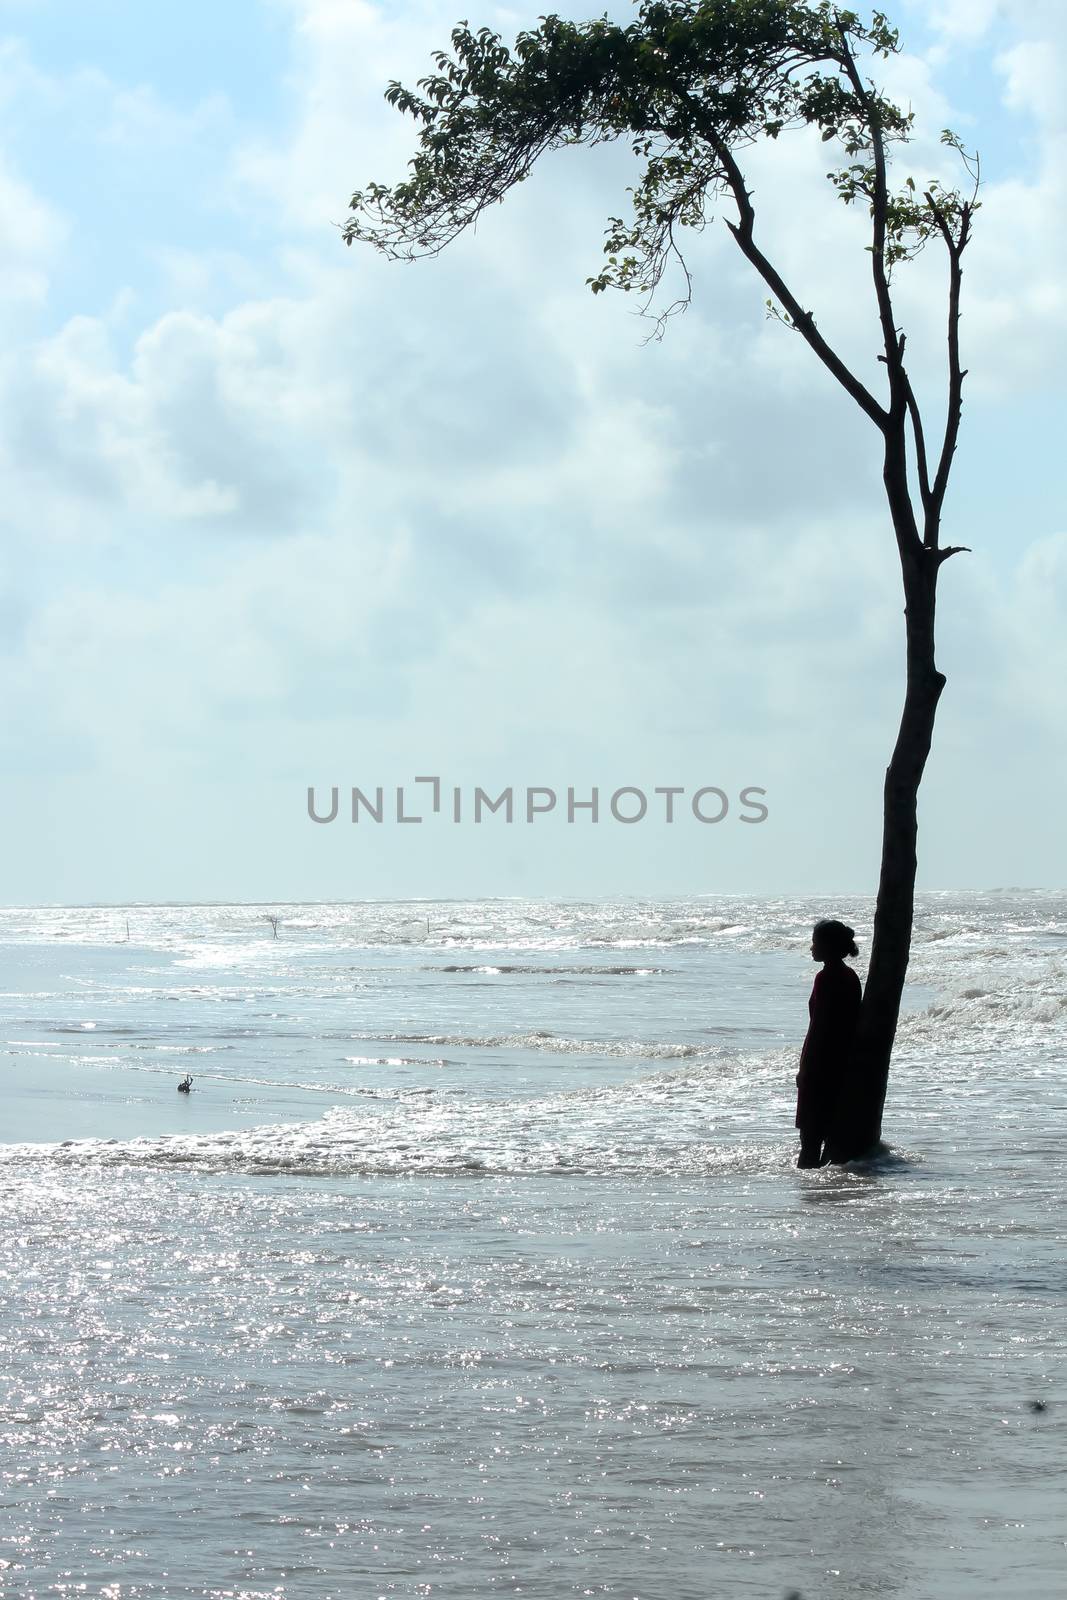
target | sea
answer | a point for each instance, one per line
(476, 1261)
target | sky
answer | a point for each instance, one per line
(280, 515)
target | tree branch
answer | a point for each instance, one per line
(803, 320)
(920, 446)
(956, 374)
(879, 208)
(901, 399)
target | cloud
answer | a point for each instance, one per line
(318, 517)
(964, 20)
(32, 232)
(1031, 81)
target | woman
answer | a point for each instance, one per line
(834, 1010)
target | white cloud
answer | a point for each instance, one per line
(344, 55)
(1032, 84)
(31, 234)
(964, 20)
(457, 509)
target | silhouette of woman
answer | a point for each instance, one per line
(833, 1010)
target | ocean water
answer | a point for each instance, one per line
(476, 1262)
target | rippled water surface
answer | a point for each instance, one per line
(476, 1262)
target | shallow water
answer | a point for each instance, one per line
(503, 1282)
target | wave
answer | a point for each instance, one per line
(536, 1039)
(685, 1119)
(325, 1149)
(984, 1013)
(399, 1061)
(606, 1132)
(573, 971)
(218, 932)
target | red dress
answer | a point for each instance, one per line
(833, 1010)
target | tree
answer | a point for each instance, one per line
(693, 84)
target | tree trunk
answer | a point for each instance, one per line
(860, 1114)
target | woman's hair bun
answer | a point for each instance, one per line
(837, 936)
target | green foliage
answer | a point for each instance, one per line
(911, 218)
(690, 83)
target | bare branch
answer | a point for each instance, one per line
(802, 320)
(920, 445)
(955, 246)
(879, 207)
(683, 301)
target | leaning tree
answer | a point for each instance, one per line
(693, 84)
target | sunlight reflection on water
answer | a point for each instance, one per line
(506, 1318)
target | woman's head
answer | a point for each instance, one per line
(832, 940)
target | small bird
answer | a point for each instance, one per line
(185, 1085)
(1038, 1405)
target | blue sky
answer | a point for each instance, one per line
(279, 514)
